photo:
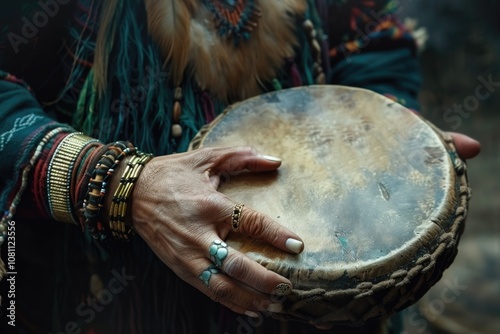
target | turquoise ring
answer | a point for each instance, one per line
(206, 275)
(218, 252)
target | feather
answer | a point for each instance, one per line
(227, 71)
(169, 25)
(232, 73)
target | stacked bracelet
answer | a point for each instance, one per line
(86, 172)
(59, 175)
(81, 165)
(98, 184)
(66, 176)
(118, 208)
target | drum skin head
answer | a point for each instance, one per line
(369, 186)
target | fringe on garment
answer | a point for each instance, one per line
(136, 104)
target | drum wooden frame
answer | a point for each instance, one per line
(354, 286)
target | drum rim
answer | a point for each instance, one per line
(399, 270)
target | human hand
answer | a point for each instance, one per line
(178, 211)
(466, 146)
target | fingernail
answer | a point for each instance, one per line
(251, 314)
(294, 245)
(271, 158)
(283, 289)
(275, 308)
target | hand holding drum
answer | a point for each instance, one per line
(378, 196)
(179, 213)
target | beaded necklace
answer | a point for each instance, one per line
(235, 18)
(278, 49)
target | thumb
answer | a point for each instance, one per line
(230, 161)
(245, 158)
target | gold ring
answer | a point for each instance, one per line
(236, 216)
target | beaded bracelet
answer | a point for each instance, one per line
(81, 164)
(82, 189)
(59, 174)
(118, 208)
(93, 197)
(97, 186)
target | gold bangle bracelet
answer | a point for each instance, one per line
(59, 175)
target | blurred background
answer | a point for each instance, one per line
(462, 53)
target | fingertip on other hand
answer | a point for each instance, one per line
(466, 146)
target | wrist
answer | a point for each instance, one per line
(92, 183)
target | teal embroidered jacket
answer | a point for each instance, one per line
(46, 54)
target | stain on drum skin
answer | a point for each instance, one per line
(384, 192)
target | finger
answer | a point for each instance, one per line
(467, 147)
(260, 226)
(223, 289)
(253, 162)
(240, 267)
(236, 159)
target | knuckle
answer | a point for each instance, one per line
(235, 267)
(222, 291)
(259, 226)
(249, 150)
(255, 224)
(274, 234)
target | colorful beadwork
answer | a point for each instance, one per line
(236, 18)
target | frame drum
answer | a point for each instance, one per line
(378, 195)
